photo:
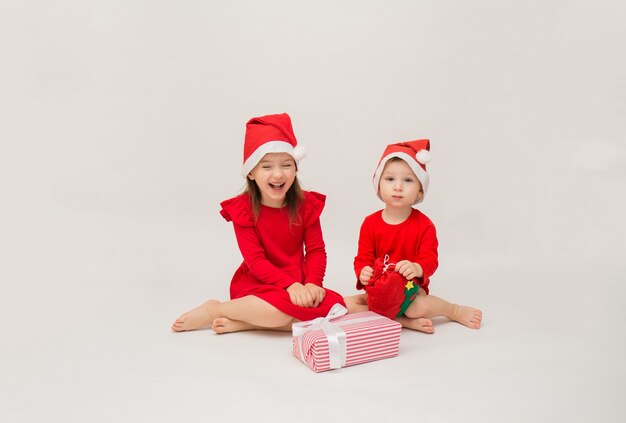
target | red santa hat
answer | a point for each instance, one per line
(415, 153)
(269, 134)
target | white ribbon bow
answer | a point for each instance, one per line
(386, 263)
(335, 335)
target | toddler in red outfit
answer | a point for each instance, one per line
(279, 235)
(407, 239)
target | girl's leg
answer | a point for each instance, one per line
(254, 311)
(250, 312)
(356, 303)
(431, 306)
(200, 317)
(226, 325)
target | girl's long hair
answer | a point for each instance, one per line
(293, 200)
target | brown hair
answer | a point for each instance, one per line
(293, 200)
(394, 159)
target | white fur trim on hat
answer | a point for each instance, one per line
(262, 150)
(421, 174)
(423, 156)
(299, 152)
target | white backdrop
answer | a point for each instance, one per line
(121, 129)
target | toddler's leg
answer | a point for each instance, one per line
(431, 306)
(421, 324)
(356, 303)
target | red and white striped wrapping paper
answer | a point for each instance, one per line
(374, 339)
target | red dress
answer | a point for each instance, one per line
(415, 240)
(274, 255)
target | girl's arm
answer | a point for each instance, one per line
(256, 260)
(315, 254)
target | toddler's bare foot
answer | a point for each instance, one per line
(468, 316)
(199, 318)
(226, 325)
(420, 324)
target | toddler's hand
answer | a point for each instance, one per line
(299, 295)
(409, 269)
(366, 274)
(317, 292)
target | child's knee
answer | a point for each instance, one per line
(359, 299)
(281, 319)
(416, 309)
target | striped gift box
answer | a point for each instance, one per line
(368, 337)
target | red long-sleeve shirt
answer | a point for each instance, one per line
(415, 240)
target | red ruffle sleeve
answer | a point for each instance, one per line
(238, 210)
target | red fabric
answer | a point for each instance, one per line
(277, 254)
(409, 148)
(262, 129)
(385, 291)
(415, 240)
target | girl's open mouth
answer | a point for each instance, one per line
(277, 186)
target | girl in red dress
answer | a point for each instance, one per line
(278, 231)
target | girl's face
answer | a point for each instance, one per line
(274, 175)
(399, 187)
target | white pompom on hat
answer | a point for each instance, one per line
(269, 134)
(415, 153)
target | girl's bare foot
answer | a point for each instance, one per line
(200, 317)
(226, 325)
(468, 316)
(420, 324)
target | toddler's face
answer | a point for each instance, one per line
(274, 175)
(399, 186)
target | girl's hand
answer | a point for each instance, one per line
(409, 269)
(366, 274)
(300, 295)
(317, 292)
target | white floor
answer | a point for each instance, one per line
(121, 128)
(86, 338)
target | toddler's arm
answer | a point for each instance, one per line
(365, 257)
(408, 269)
(366, 275)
